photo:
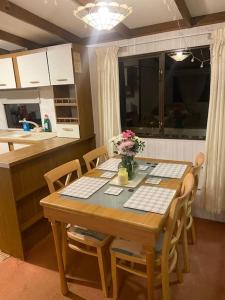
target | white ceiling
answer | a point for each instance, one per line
(204, 7)
(145, 12)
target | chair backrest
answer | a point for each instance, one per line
(55, 176)
(176, 220)
(97, 154)
(199, 161)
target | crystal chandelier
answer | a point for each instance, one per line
(103, 15)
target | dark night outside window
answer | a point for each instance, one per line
(164, 98)
(16, 112)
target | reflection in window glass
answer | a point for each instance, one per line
(139, 92)
(187, 91)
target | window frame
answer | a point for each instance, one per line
(158, 132)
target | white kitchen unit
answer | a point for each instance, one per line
(33, 70)
(7, 77)
(68, 130)
(60, 64)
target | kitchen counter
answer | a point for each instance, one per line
(22, 137)
(16, 157)
(22, 186)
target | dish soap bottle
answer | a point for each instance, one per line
(26, 125)
(47, 124)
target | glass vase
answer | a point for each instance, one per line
(130, 164)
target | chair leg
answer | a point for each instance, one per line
(185, 250)
(102, 268)
(193, 232)
(165, 280)
(150, 261)
(114, 276)
(178, 268)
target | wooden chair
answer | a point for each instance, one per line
(97, 155)
(74, 237)
(130, 256)
(199, 161)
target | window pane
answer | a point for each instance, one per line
(187, 88)
(139, 92)
(16, 112)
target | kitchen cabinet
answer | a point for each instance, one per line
(60, 64)
(7, 77)
(33, 70)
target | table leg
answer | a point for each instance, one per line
(56, 229)
(11, 146)
(150, 259)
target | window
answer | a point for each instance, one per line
(164, 98)
(16, 112)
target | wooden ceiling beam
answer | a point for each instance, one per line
(209, 19)
(32, 19)
(121, 29)
(184, 11)
(9, 37)
(4, 51)
(164, 27)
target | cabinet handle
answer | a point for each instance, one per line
(33, 82)
(3, 84)
(63, 79)
(67, 129)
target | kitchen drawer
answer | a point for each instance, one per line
(68, 130)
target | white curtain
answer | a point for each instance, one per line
(214, 200)
(108, 95)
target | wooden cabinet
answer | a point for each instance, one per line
(60, 64)
(7, 77)
(33, 70)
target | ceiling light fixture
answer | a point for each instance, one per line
(180, 55)
(103, 15)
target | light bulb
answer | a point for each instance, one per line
(102, 11)
(192, 60)
(202, 65)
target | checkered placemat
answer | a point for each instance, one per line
(169, 170)
(150, 198)
(83, 187)
(110, 165)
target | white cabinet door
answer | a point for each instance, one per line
(60, 65)
(7, 77)
(33, 70)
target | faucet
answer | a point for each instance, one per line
(37, 128)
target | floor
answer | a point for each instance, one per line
(37, 278)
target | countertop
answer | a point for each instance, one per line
(23, 137)
(39, 148)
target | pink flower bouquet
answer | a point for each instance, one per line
(127, 143)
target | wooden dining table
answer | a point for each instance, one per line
(110, 217)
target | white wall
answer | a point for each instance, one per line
(161, 148)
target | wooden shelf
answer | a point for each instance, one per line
(67, 120)
(66, 104)
(65, 101)
(31, 221)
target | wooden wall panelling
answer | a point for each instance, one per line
(10, 236)
(21, 217)
(83, 90)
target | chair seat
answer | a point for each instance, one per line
(87, 236)
(132, 248)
